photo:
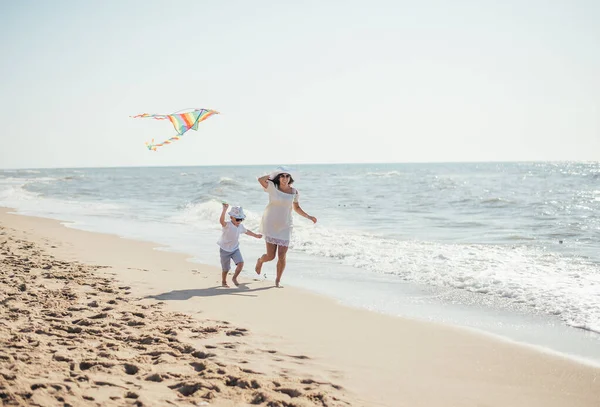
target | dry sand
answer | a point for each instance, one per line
(92, 319)
(71, 337)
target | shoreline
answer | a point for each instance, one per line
(383, 360)
(502, 321)
(499, 320)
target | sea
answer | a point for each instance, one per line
(510, 250)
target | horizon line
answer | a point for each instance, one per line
(304, 164)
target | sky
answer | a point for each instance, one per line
(299, 82)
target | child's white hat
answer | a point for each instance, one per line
(237, 212)
(282, 170)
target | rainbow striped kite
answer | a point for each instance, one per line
(183, 121)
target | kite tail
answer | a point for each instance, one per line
(153, 116)
(153, 147)
(150, 145)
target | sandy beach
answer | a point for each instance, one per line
(96, 320)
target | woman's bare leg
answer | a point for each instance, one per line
(281, 260)
(268, 256)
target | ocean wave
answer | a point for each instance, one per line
(543, 281)
(224, 183)
(497, 202)
(465, 224)
(207, 213)
(519, 237)
(72, 177)
(28, 180)
(460, 201)
(15, 195)
(229, 182)
(385, 174)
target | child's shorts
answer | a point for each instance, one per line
(226, 258)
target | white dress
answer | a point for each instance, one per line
(276, 224)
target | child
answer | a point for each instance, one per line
(229, 241)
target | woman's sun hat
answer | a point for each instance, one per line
(282, 170)
(237, 212)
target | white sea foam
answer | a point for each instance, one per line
(13, 194)
(228, 181)
(544, 281)
(207, 213)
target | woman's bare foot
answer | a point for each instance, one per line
(258, 266)
(224, 284)
(278, 285)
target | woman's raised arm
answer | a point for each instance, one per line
(264, 181)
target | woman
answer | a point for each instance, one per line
(276, 224)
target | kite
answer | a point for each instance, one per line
(183, 121)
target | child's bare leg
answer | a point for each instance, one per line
(224, 279)
(238, 270)
(281, 262)
(268, 256)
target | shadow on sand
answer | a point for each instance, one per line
(182, 295)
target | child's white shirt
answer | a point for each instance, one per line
(230, 238)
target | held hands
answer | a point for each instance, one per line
(258, 236)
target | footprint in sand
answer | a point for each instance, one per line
(237, 332)
(131, 369)
(198, 367)
(154, 378)
(202, 355)
(290, 392)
